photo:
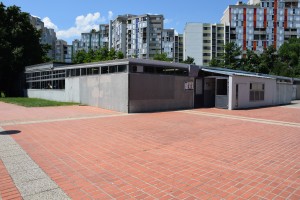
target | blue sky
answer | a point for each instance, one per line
(71, 17)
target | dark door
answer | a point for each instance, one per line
(209, 92)
(198, 100)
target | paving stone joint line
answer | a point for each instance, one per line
(61, 119)
(250, 119)
(31, 181)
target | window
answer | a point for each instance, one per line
(122, 68)
(257, 92)
(104, 70)
(221, 86)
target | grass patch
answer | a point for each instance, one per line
(34, 102)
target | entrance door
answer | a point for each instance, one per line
(221, 92)
(198, 98)
(240, 96)
(209, 92)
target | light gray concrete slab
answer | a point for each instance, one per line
(29, 175)
(36, 186)
(16, 159)
(21, 167)
(11, 152)
(4, 147)
(31, 181)
(52, 194)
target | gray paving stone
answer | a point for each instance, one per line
(21, 166)
(9, 153)
(16, 159)
(36, 186)
(56, 194)
(27, 176)
(5, 147)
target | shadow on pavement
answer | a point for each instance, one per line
(10, 132)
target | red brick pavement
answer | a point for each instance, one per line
(14, 113)
(167, 155)
(285, 114)
(8, 189)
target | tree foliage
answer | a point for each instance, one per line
(189, 60)
(232, 55)
(98, 55)
(162, 57)
(19, 47)
(284, 62)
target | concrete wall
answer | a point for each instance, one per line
(243, 100)
(109, 91)
(72, 89)
(55, 95)
(153, 92)
(284, 93)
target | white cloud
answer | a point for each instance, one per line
(49, 24)
(166, 21)
(82, 24)
(110, 14)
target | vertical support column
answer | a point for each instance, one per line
(229, 15)
(254, 18)
(285, 18)
(230, 94)
(275, 22)
(265, 18)
(245, 29)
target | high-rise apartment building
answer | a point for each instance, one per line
(262, 23)
(61, 50)
(203, 41)
(93, 40)
(48, 35)
(137, 35)
(118, 32)
(68, 54)
(178, 48)
(75, 46)
(104, 35)
(168, 43)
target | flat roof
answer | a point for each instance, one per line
(231, 72)
(153, 63)
(136, 61)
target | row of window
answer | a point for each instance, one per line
(61, 74)
(96, 70)
(159, 70)
(51, 84)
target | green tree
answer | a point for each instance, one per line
(161, 56)
(215, 62)
(250, 62)
(19, 47)
(79, 57)
(268, 59)
(289, 55)
(120, 55)
(189, 60)
(96, 55)
(232, 56)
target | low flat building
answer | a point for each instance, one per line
(139, 85)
